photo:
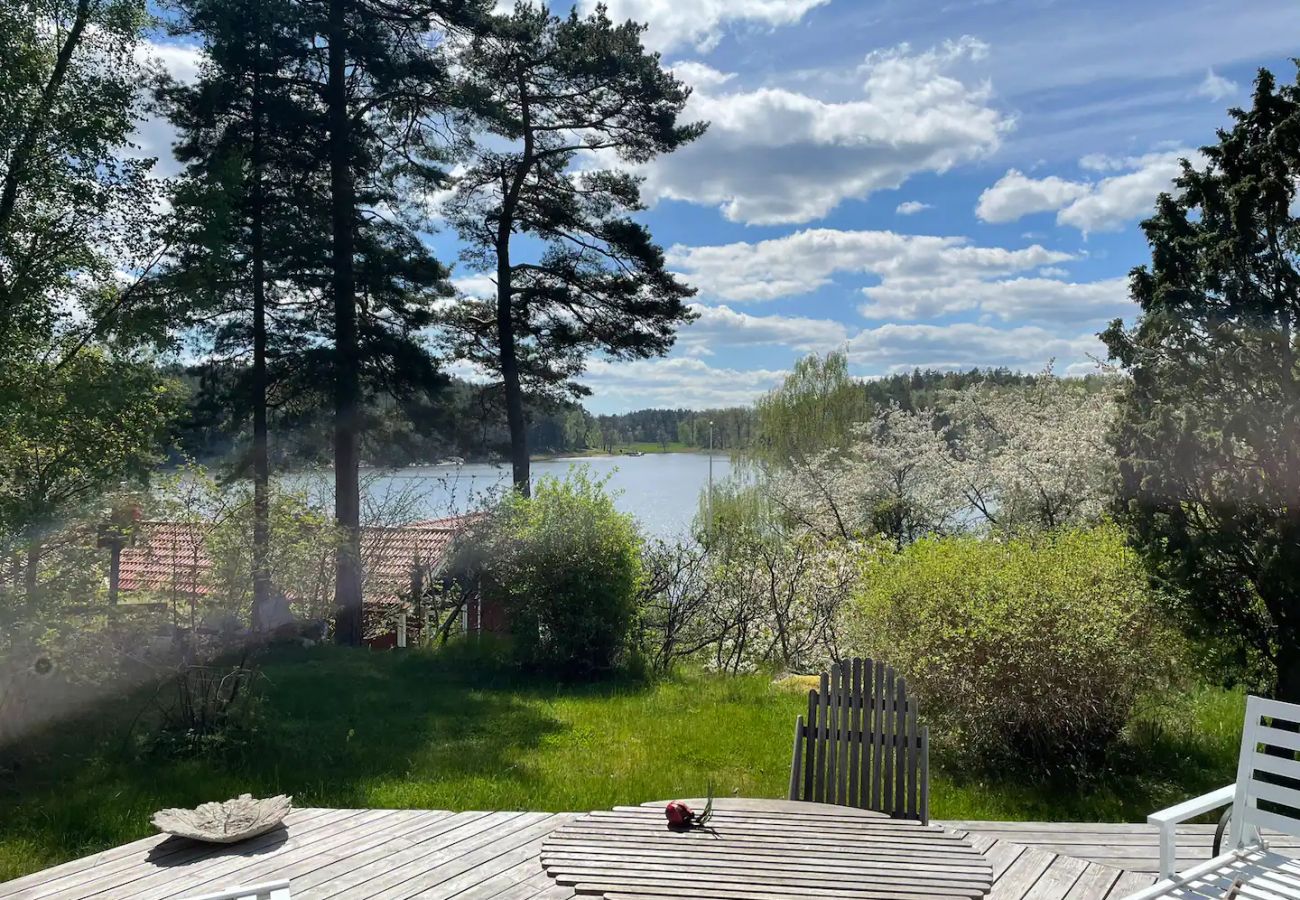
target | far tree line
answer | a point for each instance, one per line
(453, 419)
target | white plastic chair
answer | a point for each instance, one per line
(1270, 739)
(270, 890)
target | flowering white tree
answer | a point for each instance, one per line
(1034, 456)
(1025, 456)
(896, 480)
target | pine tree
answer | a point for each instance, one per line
(319, 125)
(389, 110)
(552, 88)
(1209, 432)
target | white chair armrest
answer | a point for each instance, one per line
(1168, 819)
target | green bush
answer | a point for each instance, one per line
(1031, 648)
(566, 565)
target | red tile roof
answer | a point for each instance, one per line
(171, 557)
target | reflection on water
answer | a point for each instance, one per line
(661, 489)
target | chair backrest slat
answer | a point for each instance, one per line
(1268, 772)
(862, 743)
(852, 795)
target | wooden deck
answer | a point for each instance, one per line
(368, 854)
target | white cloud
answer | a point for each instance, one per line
(155, 135)
(700, 76)
(899, 348)
(1053, 272)
(773, 155)
(1016, 299)
(911, 207)
(478, 286)
(721, 326)
(1015, 195)
(1216, 87)
(1106, 204)
(181, 61)
(676, 382)
(806, 260)
(1119, 199)
(701, 23)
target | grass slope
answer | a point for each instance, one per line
(348, 728)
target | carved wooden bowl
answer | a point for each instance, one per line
(225, 823)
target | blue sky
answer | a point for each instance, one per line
(932, 183)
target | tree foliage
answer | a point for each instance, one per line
(1033, 456)
(1209, 437)
(815, 410)
(551, 90)
(566, 566)
(1032, 649)
(96, 421)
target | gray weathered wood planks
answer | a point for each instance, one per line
(774, 848)
(395, 854)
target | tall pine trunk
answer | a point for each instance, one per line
(347, 381)
(510, 370)
(261, 454)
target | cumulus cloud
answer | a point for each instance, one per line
(702, 23)
(721, 326)
(806, 260)
(899, 348)
(1015, 195)
(1216, 87)
(1016, 299)
(1105, 204)
(911, 207)
(774, 156)
(701, 76)
(676, 382)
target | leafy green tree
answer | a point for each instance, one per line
(95, 421)
(566, 565)
(551, 89)
(80, 409)
(73, 204)
(815, 409)
(1209, 433)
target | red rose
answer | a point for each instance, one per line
(678, 813)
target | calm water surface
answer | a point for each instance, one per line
(662, 490)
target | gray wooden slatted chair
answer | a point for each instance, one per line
(862, 745)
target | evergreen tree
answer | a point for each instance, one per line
(246, 227)
(550, 89)
(318, 118)
(1209, 435)
(389, 105)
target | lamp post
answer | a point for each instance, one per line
(709, 501)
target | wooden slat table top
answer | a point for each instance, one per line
(391, 854)
(763, 850)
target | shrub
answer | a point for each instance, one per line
(566, 565)
(1033, 648)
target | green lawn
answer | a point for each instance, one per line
(362, 729)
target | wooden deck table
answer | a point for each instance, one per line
(763, 850)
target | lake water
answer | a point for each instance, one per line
(662, 490)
